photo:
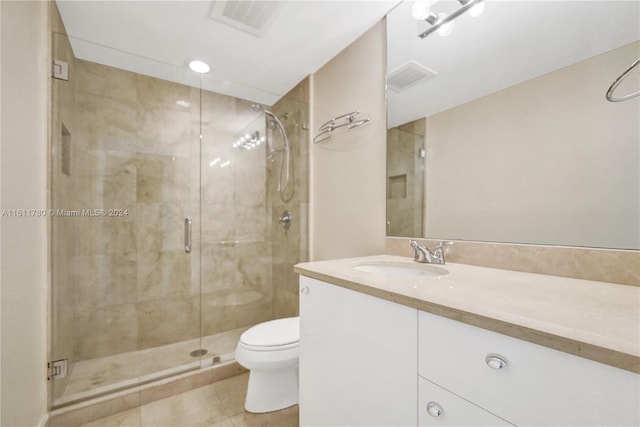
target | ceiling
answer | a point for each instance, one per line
(511, 42)
(158, 38)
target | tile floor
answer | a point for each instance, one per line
(216, 405)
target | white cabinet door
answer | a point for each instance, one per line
(439, 407)
(358, 358)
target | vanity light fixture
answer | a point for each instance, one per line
(199, 66)
(443, 23)
(421, 9)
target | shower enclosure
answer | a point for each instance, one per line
(166, 243)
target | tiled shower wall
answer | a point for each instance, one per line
(405, 178)
(125, 283)
(290, 246)
(132, 152)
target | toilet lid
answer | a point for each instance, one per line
(273, 333)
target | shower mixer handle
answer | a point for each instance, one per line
(285, 220)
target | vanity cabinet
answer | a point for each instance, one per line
(358, 358)
(367, 361)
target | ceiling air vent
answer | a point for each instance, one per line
(251, 16)
(408, 75)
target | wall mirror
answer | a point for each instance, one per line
(501, 131)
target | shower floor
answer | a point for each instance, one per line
(94, 377)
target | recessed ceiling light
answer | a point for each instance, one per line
(199, 66)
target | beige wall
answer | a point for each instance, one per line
(348, 171)
(548, 161)
(23, 177)
(603, 265)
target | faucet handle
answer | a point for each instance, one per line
(444, 243)
(439, 252)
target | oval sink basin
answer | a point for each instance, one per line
(401, 270)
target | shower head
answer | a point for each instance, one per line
(260, 108)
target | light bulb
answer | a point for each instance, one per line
(477, 9)
(445, 29)
(420, 9)
(199, 66)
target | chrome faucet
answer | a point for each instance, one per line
(424, 255)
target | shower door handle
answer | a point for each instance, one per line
(187, 235)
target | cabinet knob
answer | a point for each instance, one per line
(304, 290)
(495, 361)
(434, 409)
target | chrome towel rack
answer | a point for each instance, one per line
(349, 120)
(619, 80)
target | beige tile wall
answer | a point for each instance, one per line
(125, 283)
(606, 265)
(290, 247)
(405, 178)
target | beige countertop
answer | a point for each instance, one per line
(595, 320)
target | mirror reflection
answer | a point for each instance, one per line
(500, 131)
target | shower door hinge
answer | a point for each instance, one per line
(57, 369)
(60, 70)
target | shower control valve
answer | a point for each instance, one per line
(285, 219)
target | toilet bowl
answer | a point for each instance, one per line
(270, 351)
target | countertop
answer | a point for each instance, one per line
(595, 320)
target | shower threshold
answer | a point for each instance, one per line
(96, 377)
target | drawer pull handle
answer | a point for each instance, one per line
(304, 290)
(495, 361)
(434, 409)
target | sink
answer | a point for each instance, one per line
(401, 269)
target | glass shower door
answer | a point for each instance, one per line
(236, 273)
(125, 159)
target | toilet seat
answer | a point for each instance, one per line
(272, 348)
(279, 334)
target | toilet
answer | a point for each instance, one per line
(270, 351)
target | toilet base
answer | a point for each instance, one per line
(272, 390)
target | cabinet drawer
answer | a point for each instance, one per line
(438, 407)
(537, 385)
